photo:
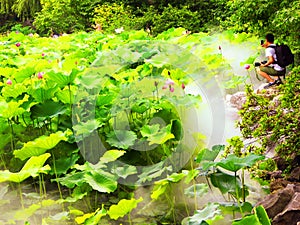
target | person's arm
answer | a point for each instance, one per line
(270, 61)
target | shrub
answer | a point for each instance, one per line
(274, 125)
(57, 16)
(112, 15)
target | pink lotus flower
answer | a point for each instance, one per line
(40, 75)
(247, 66)
(43, 54)
(220, 47)
(169, 82)
(165, 87)
(172, 89)
(18, 44)
(9, 82)
(30, 35)
(183, 86)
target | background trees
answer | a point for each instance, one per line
(257, 17)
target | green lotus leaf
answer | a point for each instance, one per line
(148, 130)
(208, 213)
(105, 99)
(86, 128)
(230, 207)
(190, 175)
(225, 182)
(175, 177)
(41, 94)
(141, 106)
(63, 164)
(24, 73)
(7, 71)
(101, 181)
(61, 79)
(33, 167)
(153, 172)
(159, 189)
(47, 109)
(209, 155)
(111, 155)
(13, 91)
(121, 138)
(124, 207)
(65, 95)
(234, 163)
(91, 218)
(40, 145)
(262, 215)
(162, 136)
(250, 60)
(12, 108)
(69, 64)
(125, 171)
(196, 190)
(93, 78)
(72, 180)
(96, 218)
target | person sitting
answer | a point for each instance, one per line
(270, 68)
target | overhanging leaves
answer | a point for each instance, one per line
(123, 207)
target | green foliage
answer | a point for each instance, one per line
(159, 20)
(259, 217)
(57, 17)
(112, 16)
(209, 213)
(286, 25)
(235, 146)
(40, 145)
(262, 16)
(33, 167)
(24, 9)
(123, 207)
(274, 125)
(23, 29)
(108, 87)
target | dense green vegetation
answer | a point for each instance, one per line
(58, 16)
(94, 105)
(51, 133)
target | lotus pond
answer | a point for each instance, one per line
(123, 129)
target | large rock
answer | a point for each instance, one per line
(295, 174)
(276, 202)
(237, 100)
(291, 214)
(271, 91)
(283, 206)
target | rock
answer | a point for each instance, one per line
(278, 184)
(276, 202)
(295, 174)
(237, 100)
(275, 102)
(291, 214)
(281, 163)
(271, 91)
(274, 175)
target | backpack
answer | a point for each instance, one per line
(284, 55)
